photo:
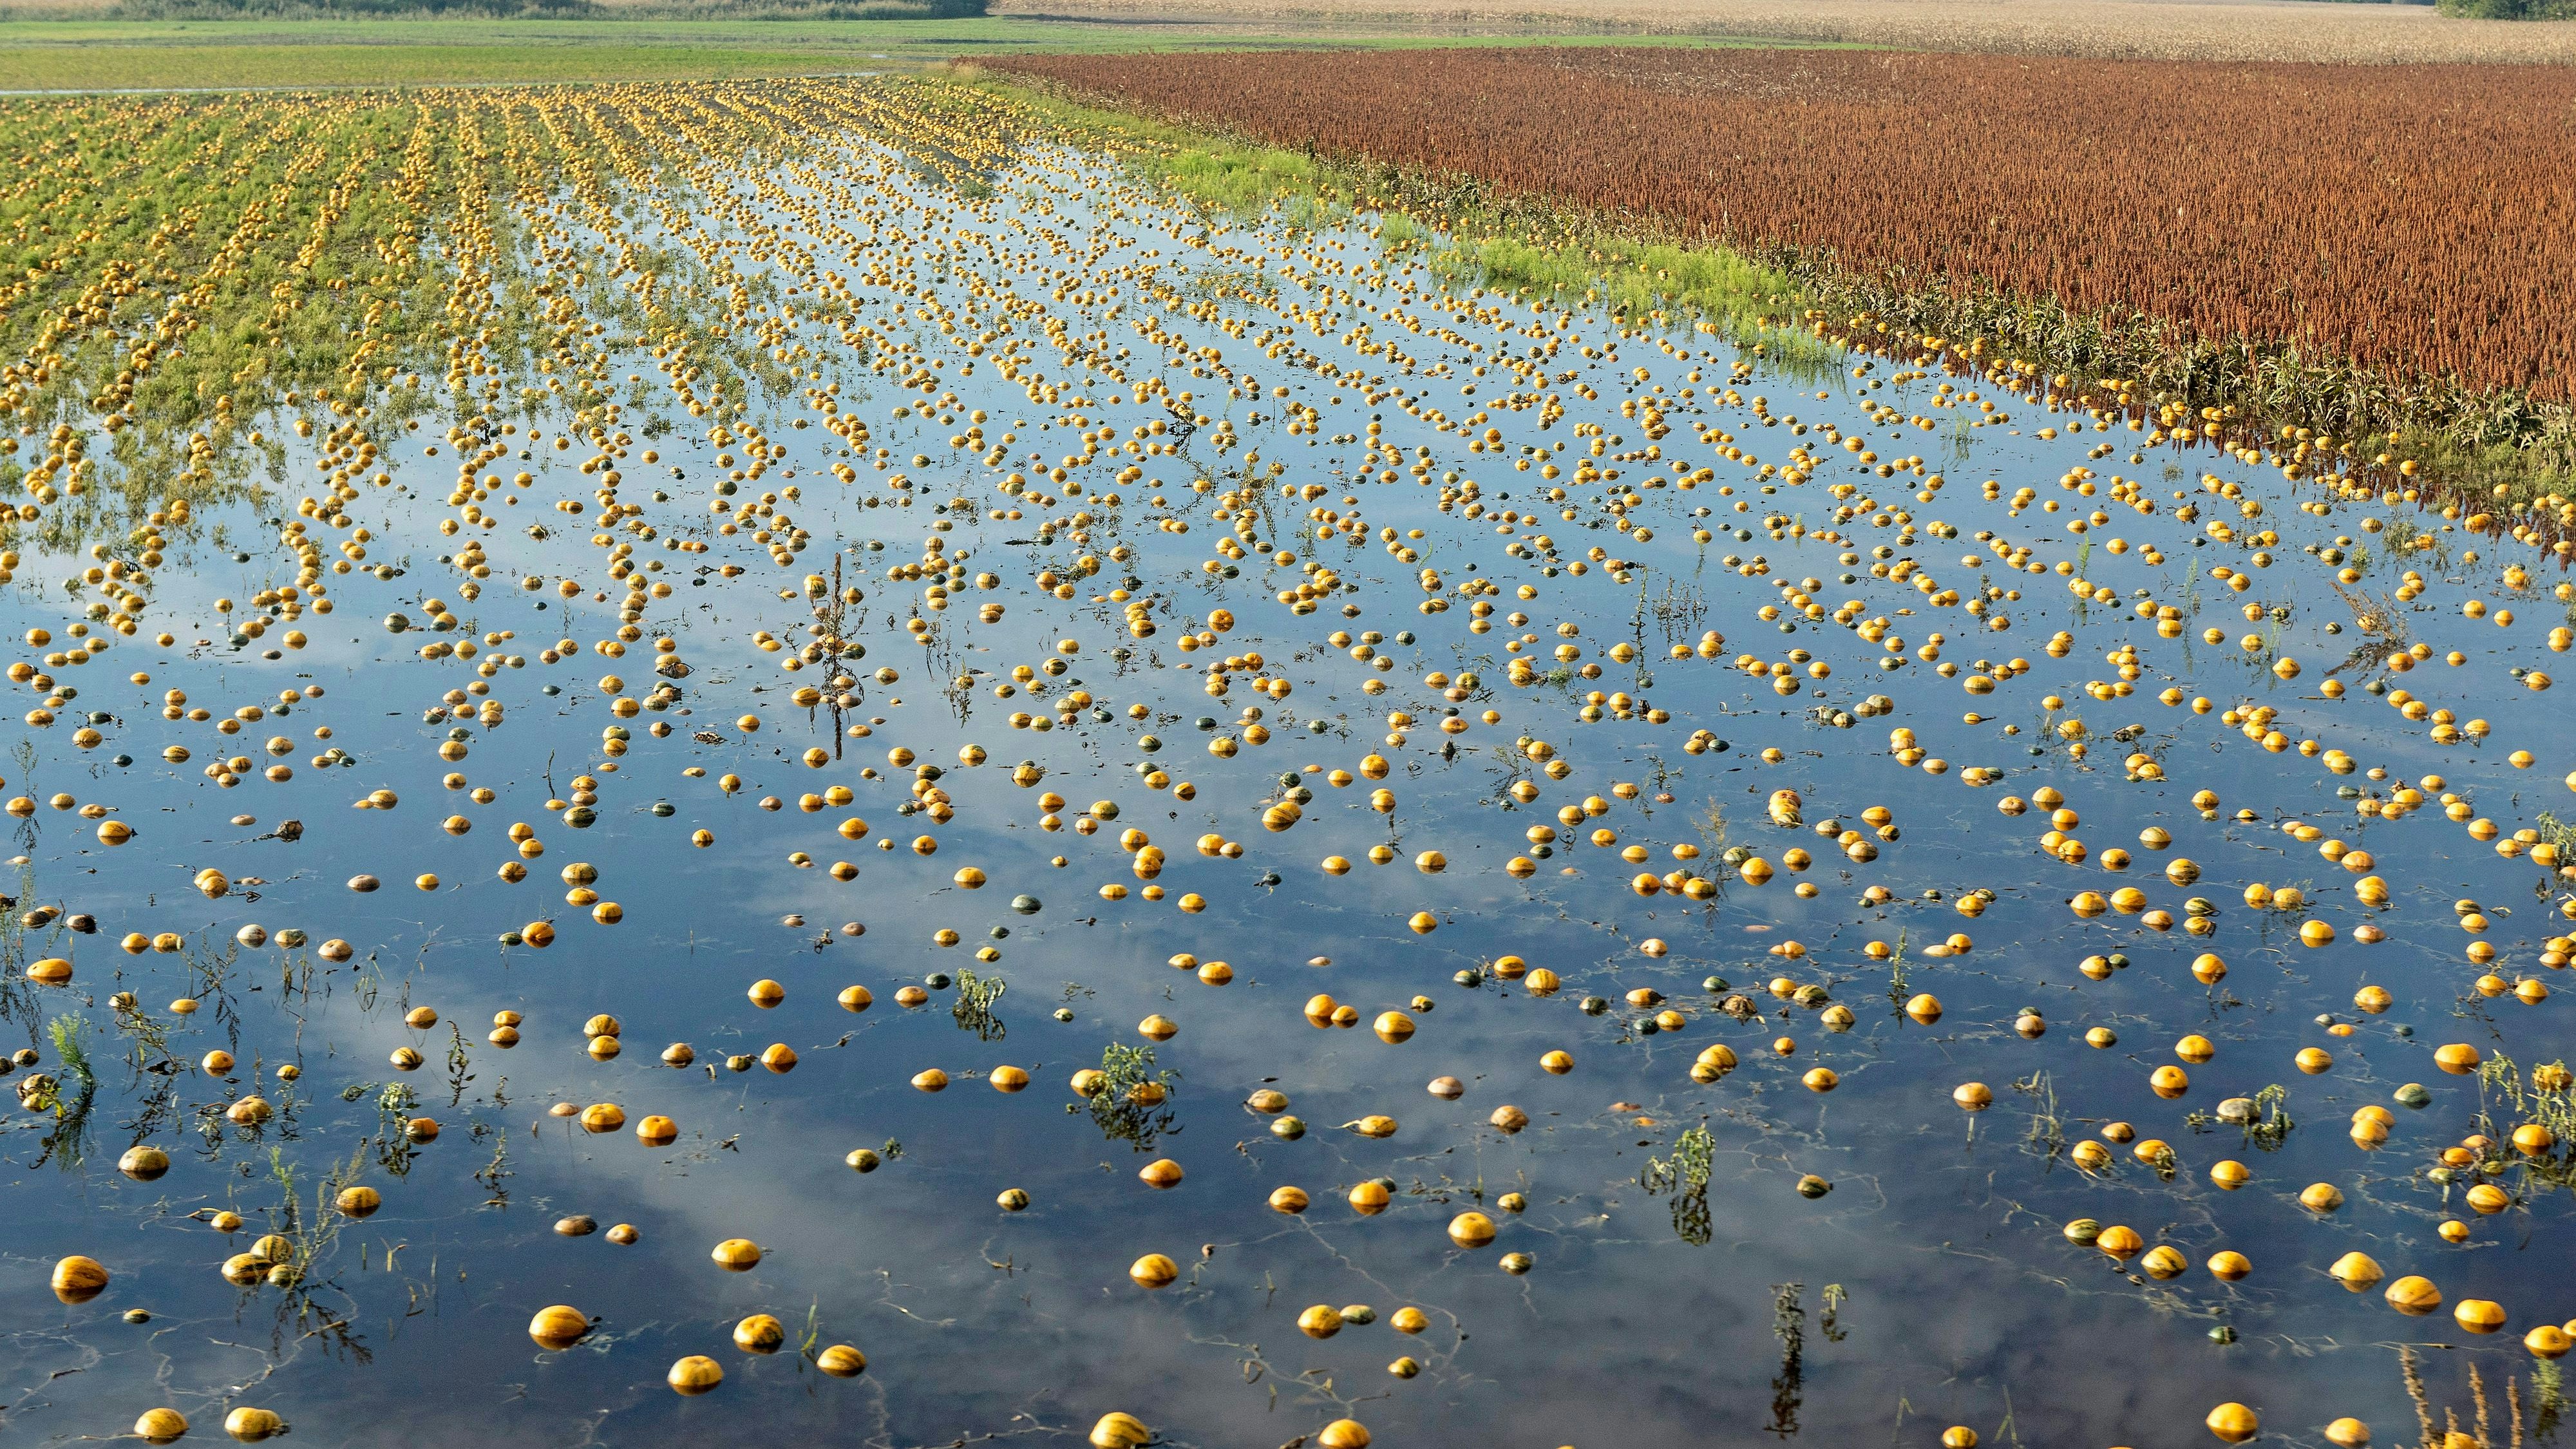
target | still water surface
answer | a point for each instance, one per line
(1932, 1284)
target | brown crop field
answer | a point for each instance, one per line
(2412, 221)
(2362, 34)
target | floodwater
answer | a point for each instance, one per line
(1932, 1284)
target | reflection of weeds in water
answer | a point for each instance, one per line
(1446, 1190)
(393, 1128)
(1301, 212)
(2383, 628)
(311, 1240)
(212, 968)
(147, 1038)
(493, 1173)
(1788, 1389)
(313, 1235)
(2047, 1135)
(148, 1057)
(1219, 284)
(1835, 1297)
(457, 1064)
(17, 994)
(1664, 775)
(367, 983)
(832, 617)
(2270, 649)
(24, 755)
(974, 1007)
(1123, 1069)
(282, 1172)
(295, 973)
(805, 1345)
(13, 926)
(1712, 829)
(1685, 1175)
(2190, 610)
(1896, 971)
(1680, 609)
(1513, 767)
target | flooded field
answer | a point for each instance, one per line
(978, 802)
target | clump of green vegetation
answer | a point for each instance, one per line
(2473, 439)
(1628, 276)
(68, 1101)
(1685, 1176)
(974, 1006)
(2540, 1095)
(70, 1036)
(1242, 180)
(1472, 234)
(1123, 1112)
(2267, 1129)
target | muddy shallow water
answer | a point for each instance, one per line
(1931, 1285)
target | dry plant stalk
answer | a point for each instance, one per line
(2481, 1433)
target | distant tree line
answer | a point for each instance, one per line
(2492, 9)
(2511, 9)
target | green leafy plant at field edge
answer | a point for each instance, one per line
(1472, 233)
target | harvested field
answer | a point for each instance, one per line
(2106, 29)
(2414, 225)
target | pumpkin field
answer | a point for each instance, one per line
(1555, 748)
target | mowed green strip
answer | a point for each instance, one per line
(161, 55)
(168, 67)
